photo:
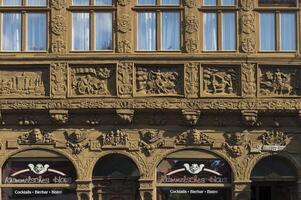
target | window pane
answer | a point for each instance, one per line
(147, 31)
(228, 2)
(267, 31)
(103, 2)
(12, 2)
(288, 31)
(80, 2)
(209, 2)
(80, 31)
(146, 2)
(277, 2)
(170, 2)
(210, 31)
(36, 2)
(36, 31)
(229, 31)
(11, 28)
(170, 31)
(103, 31)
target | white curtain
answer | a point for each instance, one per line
(80, 2)
(171, 2)
(80, 31)
(210, 31)
(37, 2)
(12, 2)
(146, 31)
(103, 31)
(146, 2)
(11, 28)
(170, 31)
(228, 2)
(209, 2)
(267, 31)
(103, 2)
(36, 31)
(288, 31)
(229, 31)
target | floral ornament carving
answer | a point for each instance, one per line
(248, 22)
(248, 45)
(190, 3)
(194, 137)
(77, 140)
(124, 46)
(114, 138)
(35, 137)
(123, 2)
(124, 23)
(58, 46)
(155, 81)
(58, 79)
(58, 25)
(125, 78)
(90, 80)
(150, 140)
(248, 80)
(191, 80)
(59, 116)
(58, 4)
(274, 138)
(191, 45)
(191, 24)
(237, 144)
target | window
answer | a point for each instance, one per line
(158, 28)
(219, 25)
(24, 27)
(96, 25)
(277, 26)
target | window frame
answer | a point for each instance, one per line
(219, 9)
(158, 9)
(92, 9)
(24, 10)
(277, 10)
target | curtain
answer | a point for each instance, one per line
(103, 2)
(170, 31)
(228, 2)
(103, 31)
(170, 2)
(267, 31)
(229, 32)
(147, 31)
(11, 28)
(12, 2)
(210, 31)
(36, 31)
(37, 2)
(80, 31)
(146, 2)
(80, 2)
(288, 31)
(209, 2)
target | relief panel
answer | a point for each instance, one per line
(220, 80)
(17, 82)
(279, 81)
(92, 80)
(159, 80)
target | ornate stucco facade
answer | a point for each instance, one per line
(240, 106)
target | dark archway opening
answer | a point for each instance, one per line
(115, 177)
(273, 178)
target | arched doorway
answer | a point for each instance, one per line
(193, 175)
(273, 178)
(115, 177)
(38, 175)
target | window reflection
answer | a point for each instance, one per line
(267, 31)
(170, 31)
(80, 31)
(229, 32)
(210, 31)
(36, 31)
(147, 31)
(288, 31)
(11, 32)
(103, 31)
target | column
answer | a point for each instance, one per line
(146, 189)
(84, 189)
(242, 190)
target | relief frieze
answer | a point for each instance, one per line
(153, 80)
(92, 81)
(23, 83)
(279, 81)
(220, 81)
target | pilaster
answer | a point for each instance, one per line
(146, 189)
(84, 189)
(242, 190)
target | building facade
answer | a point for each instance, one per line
(150, 99)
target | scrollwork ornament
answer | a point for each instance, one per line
(191, 24)
(248, 45)
(190, 3)
(123, 2)
(248, 80)
(58, 25)
(58, 79)
(124, 23)
(58, 46)
(248, 23)
(191, 45)
(124, 46)
(58, 4)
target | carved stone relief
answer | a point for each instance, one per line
(58, 46)
(157, 81)
(237, 144)
(123, 2)
(124, 46)
(58, 73)
(125, 79)
(125, 116)
(77, 140)
(191, 45)
(114, 138)
(249, 117)
(191, 80)
(58, 4)
(248, 80)
(276, 81)
(191, 116)
(191, 24)
(92, 81)
(278, 138)
(58, 25)
(150, 140)
(25, 83)
(59, 116)
(194, 137)
(124, 23)
(190, 3)
(35, 137)
(220, 81)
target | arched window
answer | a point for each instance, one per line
(193, 175)
(38, 175)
